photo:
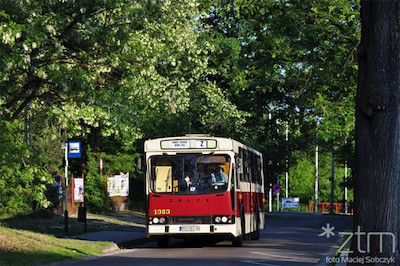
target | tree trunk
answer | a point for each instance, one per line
(377, 179)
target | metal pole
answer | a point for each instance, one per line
(287, 174)
(84, 202)
(316, 181)
(277, 201)
(270, 198)
(287, 185)
(101, 168)
(277, 196)
(66, 189)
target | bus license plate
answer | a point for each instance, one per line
(189, 228)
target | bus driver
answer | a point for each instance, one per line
(219, 176)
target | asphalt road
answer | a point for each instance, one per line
(288, 239)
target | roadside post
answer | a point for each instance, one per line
(82, 215)
(79, 197)
(64, 146)
(72, 150)
(270, 198)
(101, 168)
(277, 188)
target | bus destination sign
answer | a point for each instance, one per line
(179, 144)
(189, 144)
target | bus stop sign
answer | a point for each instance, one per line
(74, 149)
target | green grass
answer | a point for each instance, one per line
(40, 238)
(22, 247)
(55, 225)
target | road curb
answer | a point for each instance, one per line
(126, 244)
(133, 242)
(112, 248)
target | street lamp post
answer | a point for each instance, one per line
(316, 181)
(287, 170)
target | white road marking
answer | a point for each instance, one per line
(287, 257)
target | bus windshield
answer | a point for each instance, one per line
(189, 174)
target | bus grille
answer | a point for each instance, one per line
(190, 220)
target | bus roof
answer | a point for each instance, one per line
(195, 142)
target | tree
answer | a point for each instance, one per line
(23, 179)
(111, 66)
(296, 64)
(115, 71)
(377, 181)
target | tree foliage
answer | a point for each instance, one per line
(113, 73)
(298, 67)
(302, 179)
(24, 180)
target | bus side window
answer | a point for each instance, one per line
(245, 163)
(247, 166)
(242, 165)
(254, 172)
(259, 181)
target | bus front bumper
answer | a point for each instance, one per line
(191, 229)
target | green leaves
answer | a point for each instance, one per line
(116, 71)
(23, 180)
(297, 63)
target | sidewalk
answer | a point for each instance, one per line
(121, 239)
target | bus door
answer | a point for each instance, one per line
(233, 187)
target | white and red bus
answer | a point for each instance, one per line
(202, 185)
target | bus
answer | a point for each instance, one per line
(203, 185)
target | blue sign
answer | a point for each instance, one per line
(277, 188)
(74, 149)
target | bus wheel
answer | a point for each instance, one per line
(256, 234)
(163, 242)
(238, 241)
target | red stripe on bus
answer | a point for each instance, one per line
(190, 205)
(203, 205)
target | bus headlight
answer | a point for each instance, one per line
(158, 220)
(226, 219)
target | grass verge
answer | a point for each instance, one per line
(54, 224)
(22, 247)
(40, 238)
